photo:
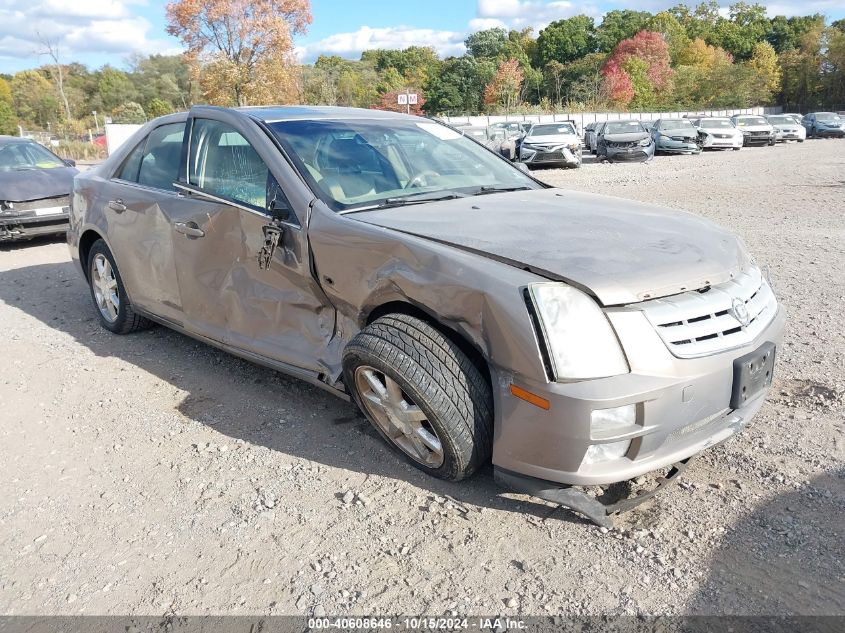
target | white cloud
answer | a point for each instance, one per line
(351, 45)
(77, 26)
(519, 14)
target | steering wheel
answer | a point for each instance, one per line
(417, 179)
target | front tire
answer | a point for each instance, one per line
(423, 395)
(109, 294)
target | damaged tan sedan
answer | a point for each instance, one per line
(469, 310)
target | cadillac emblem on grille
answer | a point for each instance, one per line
(739, 311)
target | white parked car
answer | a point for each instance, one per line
(551, 144)
(787, 128)
(719, 133)
(755, 129)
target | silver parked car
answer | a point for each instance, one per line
(675, 136)
(551, 144)
(786, 129)
(469, 310)
(756, 130)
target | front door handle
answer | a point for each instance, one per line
(189, 228)
(117, 205)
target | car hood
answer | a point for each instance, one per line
(684, 133)
(552, 139)
(755, 128)
(618, 250)
(35, 184)
(627, 137)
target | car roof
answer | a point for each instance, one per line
(272, 114)
(7, 140)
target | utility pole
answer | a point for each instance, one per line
(96, 122)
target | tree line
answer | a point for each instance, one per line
(682, 58)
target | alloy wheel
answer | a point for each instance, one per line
(104, 284)
(398, 417)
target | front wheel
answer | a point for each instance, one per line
(422, 394)
(109, 294)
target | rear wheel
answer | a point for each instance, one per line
(108, 293)
(422, 394)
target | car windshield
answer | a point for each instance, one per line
(751, 120)
(552, 130)
(828, 116)
(676, 124)
(22, 156)
(365, 163)
(716, 123)
(623, 127)
(781, 120)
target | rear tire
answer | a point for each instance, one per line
(423, 395)
(109, 294)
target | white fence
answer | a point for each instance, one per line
(583, 118)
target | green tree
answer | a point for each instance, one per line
(129, 112)
(5, 92)
(566, 40)
(459, 87)
(489, 44)
(115, 88)
(670, 28)
(746, 26)
(785, 33)
(34, 98)
(8, 120)
(158, 107)
(618, 25)
(764, 64)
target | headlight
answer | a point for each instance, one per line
(645, 142)
(580, 340)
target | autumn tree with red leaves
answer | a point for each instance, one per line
(504, 89)
(240, 51)
(638, 73)
(390, 101)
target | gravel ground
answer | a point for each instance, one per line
(151, 474)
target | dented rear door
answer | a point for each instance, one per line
(137, 203)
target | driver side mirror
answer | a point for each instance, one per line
(278, 206)
(280, 210)
(69, 162)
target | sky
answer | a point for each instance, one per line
(98, 32)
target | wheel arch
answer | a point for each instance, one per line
(86, 241)
(473, 352)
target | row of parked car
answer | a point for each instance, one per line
(559, 143)
(635, 140)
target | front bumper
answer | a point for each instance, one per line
(683, 408)
(566, 156)
(832, 131)
(790, 136)
(23, 227)
(715, 142)
(763, 139)
(629, 154)
(670, 145)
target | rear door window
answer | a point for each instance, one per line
(155, 161)
(160, 163)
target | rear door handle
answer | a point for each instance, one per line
(117, 205)
(189, 228)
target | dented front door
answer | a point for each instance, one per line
(234, 288)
